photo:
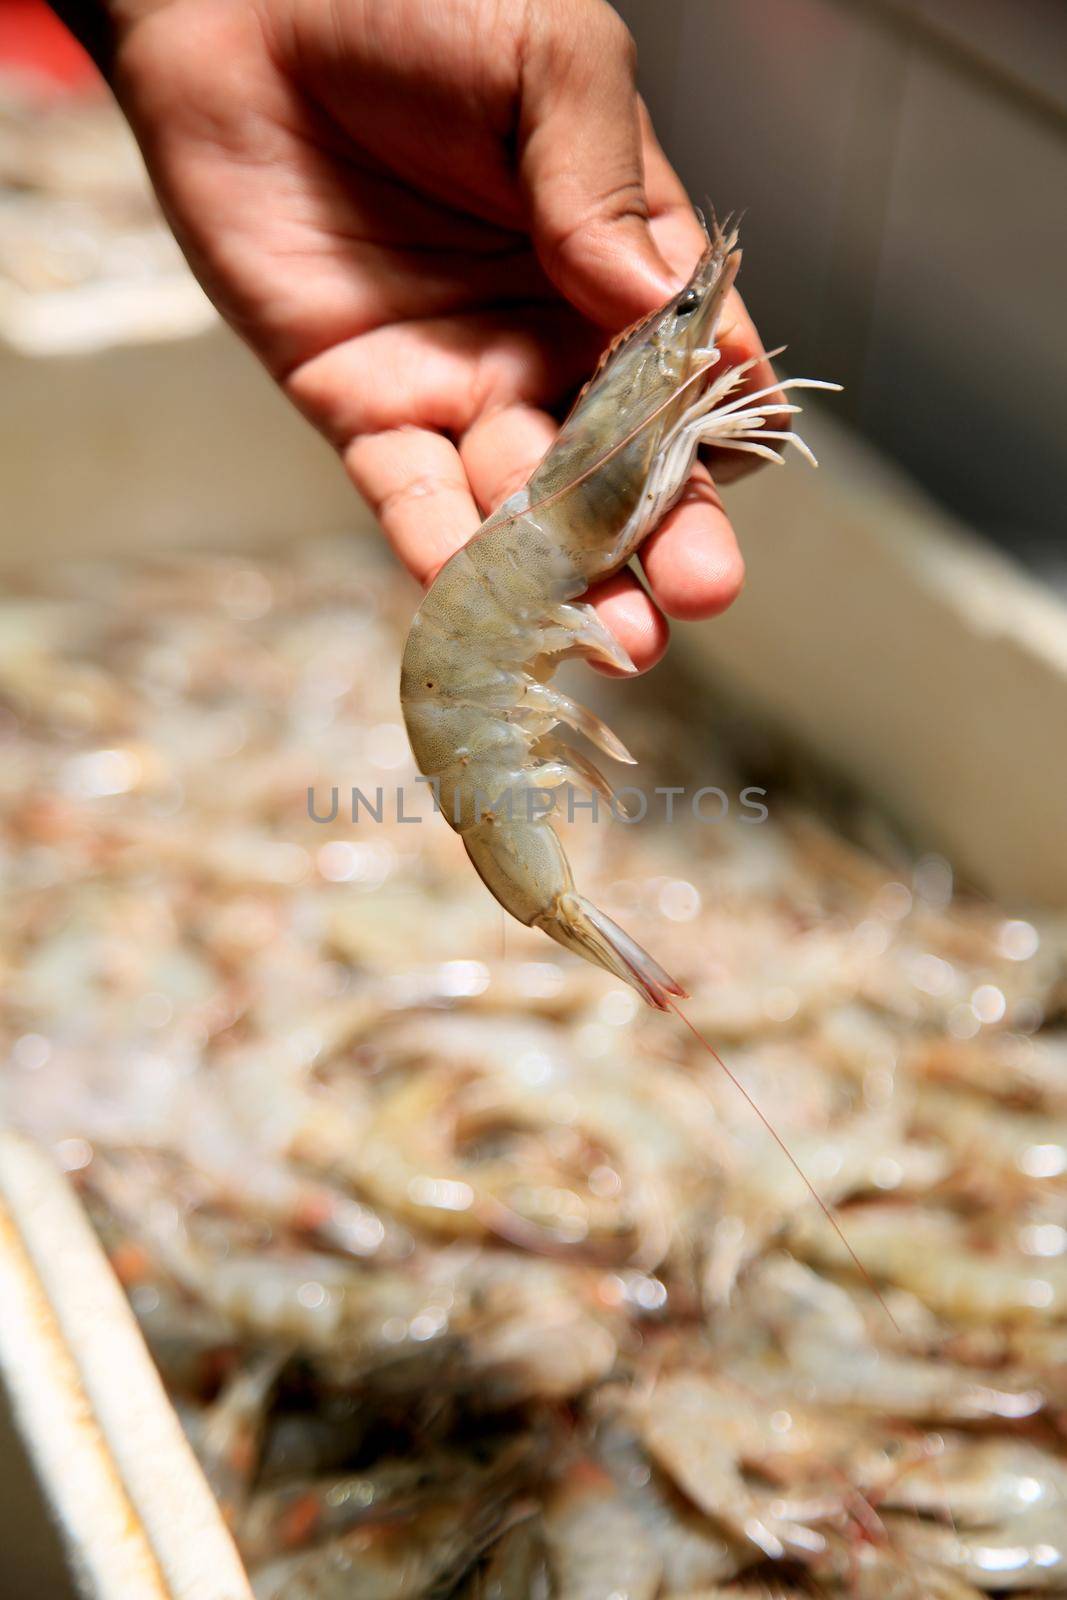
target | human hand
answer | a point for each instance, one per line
(425, 216)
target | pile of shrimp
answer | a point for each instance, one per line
(468, 1274)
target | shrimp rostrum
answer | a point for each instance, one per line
(505, 610)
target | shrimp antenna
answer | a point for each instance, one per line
(724, 232)
(824, 1207)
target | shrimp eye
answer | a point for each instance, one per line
(689, 302)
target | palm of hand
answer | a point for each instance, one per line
(356, 190)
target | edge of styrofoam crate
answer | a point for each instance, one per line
(908, 654)
(919, 661)
(175, 440)
(137, 1516)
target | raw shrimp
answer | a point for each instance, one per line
(515, 1568)
(281, 1520)
(597, 1543)
(228, 1435)
(981, 1483)
(693, 1549)
(833, 1355)
(878, 1572)
(465, 1146)
(1025, 1552)
(347, 1318)
(928, 1253)
(502, 613)
(388, 1560)
(704, 1433)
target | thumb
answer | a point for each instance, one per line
(580, 164)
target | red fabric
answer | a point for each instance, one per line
(33, 38)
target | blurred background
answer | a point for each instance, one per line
(902, 169)
(901, 166)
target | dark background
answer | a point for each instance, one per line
(902, 169)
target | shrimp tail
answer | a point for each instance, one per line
(578, 925)
(523, 865)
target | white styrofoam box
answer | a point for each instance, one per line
(963, 379)
(914, 658)
(1026, 41)
(174, 440)
(901, 172)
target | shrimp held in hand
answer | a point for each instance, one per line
(503, 612)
